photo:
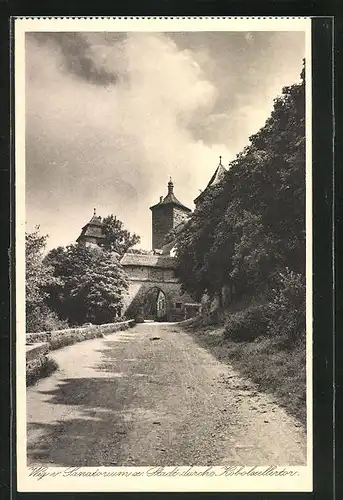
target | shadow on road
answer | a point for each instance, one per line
(88, 419)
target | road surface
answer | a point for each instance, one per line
(152, 396)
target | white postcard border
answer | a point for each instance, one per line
(56, 481)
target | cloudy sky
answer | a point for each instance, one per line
(110, 116)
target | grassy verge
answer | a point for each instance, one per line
(275, 369)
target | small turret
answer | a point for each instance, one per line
(92, 233)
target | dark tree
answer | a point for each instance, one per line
(39, 277)
(91, 285)
(251, 227)
(118, 239)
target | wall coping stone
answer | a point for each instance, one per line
(32, 338)
(37, 350)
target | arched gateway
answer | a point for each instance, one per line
(154, 304)
(154, 291)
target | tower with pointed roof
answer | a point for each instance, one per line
(217, 177)
(92, 233)
(166, 215)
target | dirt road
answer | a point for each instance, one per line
(152, 396)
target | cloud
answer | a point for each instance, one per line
(77, 57)
(108, 120)
(110, 116)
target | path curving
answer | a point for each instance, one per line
(152, 396)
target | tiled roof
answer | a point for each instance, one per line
(149, 260)
(95, 221)
(92, 229)
(217, 177)
(170, 199)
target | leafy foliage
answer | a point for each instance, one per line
(39, 276)
(287, 315)
(76, 284)
(91, 287)
(249, 231)
(198, 268)
(248, 324)
(174, 232)
(118, 239)
(140, 251)
(41, 319)
(251, 226)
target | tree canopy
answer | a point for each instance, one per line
(251, 226)
(77, 283)
(39, 277)
(118, 239)
(91, 285)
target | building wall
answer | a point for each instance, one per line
(144, 273)
(89, 241)
(172, 290)
(162, 223)
(164, 219)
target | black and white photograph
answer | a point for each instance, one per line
(163, 228)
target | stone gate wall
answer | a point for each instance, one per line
(175, 299)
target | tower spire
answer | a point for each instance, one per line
(170, 186)
(220, 160)
(94, 212)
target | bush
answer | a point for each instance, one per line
(91, 284)
(287, 309)
(283, 318)
(42, 319)
(248, 324)
(119, 319)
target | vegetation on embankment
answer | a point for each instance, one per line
(275, 367)
(246, 239)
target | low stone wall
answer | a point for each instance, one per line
(34, 338)
(61, 338)
(34, 353)
(36, 359)
(77, 334)
(38, 345)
